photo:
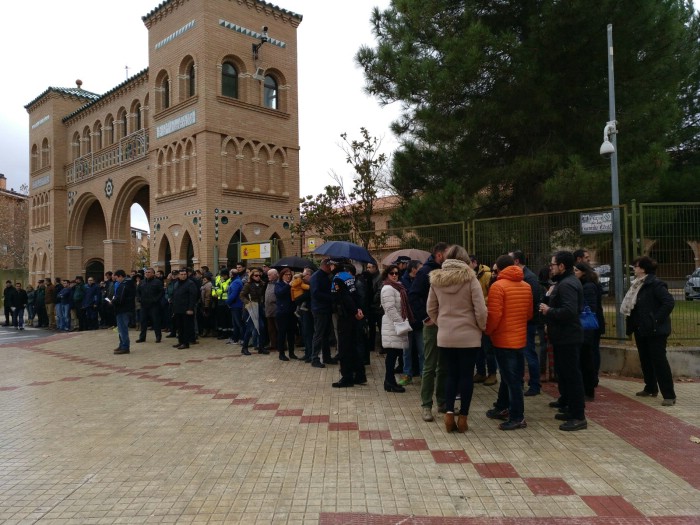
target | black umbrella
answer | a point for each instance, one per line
(345, 249)
(294, 263)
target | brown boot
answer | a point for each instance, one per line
(491, 380)
(462, 425)
(479, 378)
(450, 425)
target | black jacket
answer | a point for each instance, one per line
(185, 296)
(150, 292)
(593, 297)
(652, 312)
(565, 304)
(530, 278)
(124, 300)
(418, 294)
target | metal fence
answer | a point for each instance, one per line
(668, 232)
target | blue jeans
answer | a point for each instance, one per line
(123, 330)
(18, 317)
(63, 316)
(510, 391)
(533, 361)
(485, 359)
(415, 340)
(460, 377)
(237, 323)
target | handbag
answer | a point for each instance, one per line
(589, 321)
(403, 327)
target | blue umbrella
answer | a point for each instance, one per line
(345, 249)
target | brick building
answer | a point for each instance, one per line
(205, 140)
(13, 232)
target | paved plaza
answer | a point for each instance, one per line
(207, 435)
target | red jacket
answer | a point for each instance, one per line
(510, 308)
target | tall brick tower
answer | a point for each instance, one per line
(205, 140)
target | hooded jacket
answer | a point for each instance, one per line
(391, 302)
(456, 304)
(510, 308)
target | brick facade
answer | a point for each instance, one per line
(204, 162)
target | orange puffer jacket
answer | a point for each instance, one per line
(509, 307)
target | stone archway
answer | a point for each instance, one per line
(186, 249)
(87, 232)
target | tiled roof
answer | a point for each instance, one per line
(73, 92)
(100, 97)
(166, 2)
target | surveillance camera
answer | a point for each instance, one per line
(607, 149)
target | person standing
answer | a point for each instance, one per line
(486, 366)
(122, 305)
(50, 302)
(63, 306)
(394, 299)
(590, 349)
(433, 379)
(509, 310)
(456, 305)
(270, 309)
(223, 312)
(90, 304)
(253, 297)
(648, 306)
(347, 305)
(185, 296)
(561, 316)
(530, 352)
(40, 304)
(79, 290)
(284, 315)
(413, 356)
(235, 307)
(322, 310)
(31, 304)
(19, 303)
(8, 298)
(206, 324)
(150, 292)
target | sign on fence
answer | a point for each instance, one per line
(597, 222)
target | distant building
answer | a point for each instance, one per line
(14, 217)
(205, 140)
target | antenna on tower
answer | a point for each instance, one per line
(127, 72)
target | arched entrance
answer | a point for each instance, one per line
(93, 234)
(234, 248)
(187, 250)
(95, 269)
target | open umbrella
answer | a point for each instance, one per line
(412, 253)
(294, 263)
(345, 249)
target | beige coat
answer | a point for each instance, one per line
(456, 304)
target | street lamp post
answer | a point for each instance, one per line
(610, 137)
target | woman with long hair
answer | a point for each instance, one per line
(590, 350)
(456, 304)
(394, 300)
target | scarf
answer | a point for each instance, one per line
(630, 300)
(406, 312)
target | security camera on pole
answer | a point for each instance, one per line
(609, 151)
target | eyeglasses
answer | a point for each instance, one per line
(256, 275)
(553, 264)
(393, 273)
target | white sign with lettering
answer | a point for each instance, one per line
(176, 124)
(598, 222)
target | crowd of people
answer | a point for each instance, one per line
(447, 323)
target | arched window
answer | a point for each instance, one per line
(229, 80)
(75, 145)
(121, 124)
(35, 158)
(87, 146)
(109, 130)
(44, 153)
(97, 132)
(137, 117)
(270, 95)
(165, 91)
(191, 91)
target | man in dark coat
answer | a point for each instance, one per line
(322, 310)
(561, 315)
(150, 292)
(8, 298)
(185, 296)
(122, 303)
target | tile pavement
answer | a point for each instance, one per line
(207, 435)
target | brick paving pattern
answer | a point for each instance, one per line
(89, 437)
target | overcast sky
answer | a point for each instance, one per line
(53, 43)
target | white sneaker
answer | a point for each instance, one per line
(427, 414)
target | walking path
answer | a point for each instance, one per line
(207, 435)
